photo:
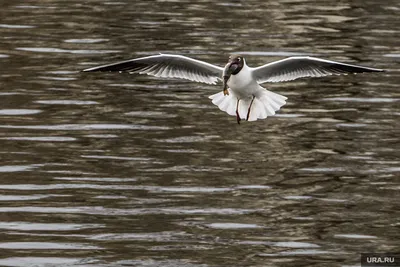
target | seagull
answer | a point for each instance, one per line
(242, 95)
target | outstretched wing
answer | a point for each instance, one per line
(167, 66)
(298, 67)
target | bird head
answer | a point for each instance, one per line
(235, 64)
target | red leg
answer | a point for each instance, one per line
(237, 111)
(248, 111)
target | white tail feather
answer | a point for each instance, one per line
(264, 104)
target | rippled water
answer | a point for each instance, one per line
(123, 170)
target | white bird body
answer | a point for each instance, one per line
(247, 99)
(256, 102)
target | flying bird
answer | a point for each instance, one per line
(242, 95)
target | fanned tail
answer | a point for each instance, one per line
(265, 104)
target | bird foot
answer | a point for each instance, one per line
(238, 119)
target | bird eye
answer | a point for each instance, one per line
(239, 59)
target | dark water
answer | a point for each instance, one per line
(123, 170)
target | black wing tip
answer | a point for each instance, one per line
(93, 69)
(379, 70)
(90, 70)
(360, 69)
(373, 70)
(123, 66)
(101, 69)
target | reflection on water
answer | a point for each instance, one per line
(19, 111)
(126, 170)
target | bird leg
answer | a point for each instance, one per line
(248, 111)
(237, 111)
